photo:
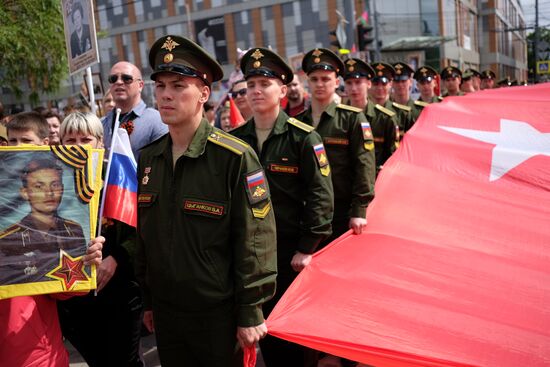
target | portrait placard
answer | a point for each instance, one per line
(48, 213)
(80, 34)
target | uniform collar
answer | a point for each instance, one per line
(280, 127)
(196, 147)
(369, 110)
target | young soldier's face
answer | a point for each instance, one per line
(381, 90)
(401, 88)
(44, 191)
(76, 138)
(452, 84)
(264, 94)
(322, 84)
(179, 98)
(426, 88)
(356, 89)
(19, 137)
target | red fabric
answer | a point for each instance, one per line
(249, 357)
(234, 114)
(121, 204)
(30, 335)
(453, 269)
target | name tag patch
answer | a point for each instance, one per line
(145, 198)
(335, 141)
(203, 207)
(283, 168)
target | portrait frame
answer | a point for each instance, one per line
(81, 45)
(49, 203)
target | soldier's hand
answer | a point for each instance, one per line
(358, 225)
(148, 321)
(300, 261)
(105, 272)
(249, 336)
(93, 253)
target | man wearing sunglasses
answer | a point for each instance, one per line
(143, 123)
(238, 93)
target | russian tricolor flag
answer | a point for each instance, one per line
(121, 187)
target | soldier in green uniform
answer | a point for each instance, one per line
(206, 249)
(425, 80)
(347, 137)
(476, 78)
(30, 248)
(451, 78)
(467, 82)
(382, 113)
(298, 173)
(488, 79)
(407, 111)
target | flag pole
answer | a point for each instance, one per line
(114, 135)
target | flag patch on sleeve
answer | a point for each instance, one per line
(321, 155)
(256, 187)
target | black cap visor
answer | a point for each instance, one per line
(178, 69)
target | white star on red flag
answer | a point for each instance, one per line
(516, 142)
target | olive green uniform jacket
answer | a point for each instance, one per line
(384, 128)
(407, 115)
(206, 231)
(299, 180)
(347, 137)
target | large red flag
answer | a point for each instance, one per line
(454, 268)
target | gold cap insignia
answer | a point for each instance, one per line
(380, 67)
(168, 58)
(257, 64)
(423, 70)
(399, 66)
(170, 44)
(317, 60)
(351, 68)
(380, 73)
(257, 55)
(398, 72)
(351, 62)
(283, 77)
(317, 52)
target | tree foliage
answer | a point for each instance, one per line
(32, 47)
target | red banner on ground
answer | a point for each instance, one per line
(454, 269)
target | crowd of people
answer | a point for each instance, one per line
(228, 215)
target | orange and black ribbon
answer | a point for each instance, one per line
(76, 157)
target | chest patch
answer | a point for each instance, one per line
(203, 207)
(280, 168)
(335, 141)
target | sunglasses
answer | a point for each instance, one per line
(126, 79)
(240, 92)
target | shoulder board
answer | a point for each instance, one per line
(300, 125)
(401, 106)
(349, 108)
(11, 229)
(228, 141)
(440, 99)
(421, 103)
(385, 110)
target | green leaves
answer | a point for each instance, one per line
(32, 47)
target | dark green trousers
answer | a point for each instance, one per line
(197, 339)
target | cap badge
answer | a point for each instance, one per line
(424, 70)
(379, 67)
(380, 73)
(257, 55)
(168, 58)
(170, 44)
(317, 53)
